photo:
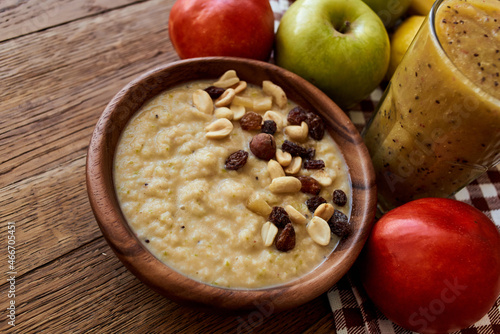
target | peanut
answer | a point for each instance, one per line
(244, 101)
(297, 132)
(238, 111)
(228, 79)
(275, 170)
(259, 206)
(319, 231)
(219, 129)
(203, 102)
(295, 216)
(324, 211)
(226, 98)
(241, 86)
(294, 166)
(323, 178)
(262, 104)
(268, 233)
(276, 92)
(276, 117)
(284, 158)
(224, 112)
(285, 184)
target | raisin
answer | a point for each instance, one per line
(214, 92)
(313, 203)
(310, 152)
(292, 148)
(236, 160)
(316, 126)
(297, 115)
(314, 164)
(263, 146)
(269, 127)
(339, 224)
(309, 185)
(279, 217)
(297, 150)
(339, 197)
(251, 121)
(286, 239)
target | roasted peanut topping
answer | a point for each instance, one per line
(292, 168)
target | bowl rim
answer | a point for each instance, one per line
(182, 289)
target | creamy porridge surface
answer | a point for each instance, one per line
(202, 219)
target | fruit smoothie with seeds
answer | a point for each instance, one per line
(437, 127)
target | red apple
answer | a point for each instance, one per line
(432, 265)
(202, 28)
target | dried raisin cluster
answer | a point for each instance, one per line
(314, 164)
(297, 115)
(313, 203)
(339, 224)
(251, 121)
(269, 127)
(297, 150)
(339, 197)
(316, 126)
(309, 185)
(279, 217)
(236, 160)
(286, 239)
(214, 92)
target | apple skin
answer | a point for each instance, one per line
(389, 11)
(432, 265)
(203, 28)
(346, 66)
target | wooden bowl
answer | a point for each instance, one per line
(171, 283)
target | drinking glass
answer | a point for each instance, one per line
(435, 128)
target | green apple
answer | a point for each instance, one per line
(389, 11)
(340, 46)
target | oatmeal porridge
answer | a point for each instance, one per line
(232, 184)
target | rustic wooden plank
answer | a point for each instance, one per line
(49, 108)
(19, 18)
(51, 99)
(98, 295)
(51, 214)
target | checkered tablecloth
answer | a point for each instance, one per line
(353, 312)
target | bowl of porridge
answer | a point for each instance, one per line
(230, 183)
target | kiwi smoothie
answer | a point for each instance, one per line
(437, 127)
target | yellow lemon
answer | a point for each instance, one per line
(401, 40)
(421, 7)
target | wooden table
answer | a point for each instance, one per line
(61, 63)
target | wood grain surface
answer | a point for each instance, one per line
(62, 62)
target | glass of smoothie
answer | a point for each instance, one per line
(437, 126)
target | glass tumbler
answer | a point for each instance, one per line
(437, 126)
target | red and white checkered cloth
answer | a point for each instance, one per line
(353, 311)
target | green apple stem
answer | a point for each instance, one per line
(345, 27)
